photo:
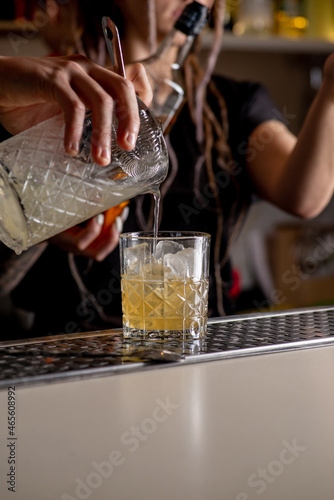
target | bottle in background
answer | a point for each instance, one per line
(231, 12)
(290, 18)
(254, 17)
(164, 68)
(321, 18)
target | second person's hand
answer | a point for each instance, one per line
(95, 239)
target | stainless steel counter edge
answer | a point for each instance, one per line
(203, 357)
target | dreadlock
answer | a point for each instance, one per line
(212, 135)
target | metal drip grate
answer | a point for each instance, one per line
(105, 352)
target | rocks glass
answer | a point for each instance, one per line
(165, 281)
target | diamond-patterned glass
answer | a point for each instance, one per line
(35, 164)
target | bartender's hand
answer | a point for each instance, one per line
(96, 239)
(33, 89)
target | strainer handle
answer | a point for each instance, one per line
(113, 42)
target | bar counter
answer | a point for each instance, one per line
(245, 413)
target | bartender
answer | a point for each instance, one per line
(228, 145)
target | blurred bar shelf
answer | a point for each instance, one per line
(16, 25)
(270, 43)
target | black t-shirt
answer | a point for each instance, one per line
(49, 288)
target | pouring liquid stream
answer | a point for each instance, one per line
(157, 199)
(111, 36)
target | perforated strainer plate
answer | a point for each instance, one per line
(106, 352)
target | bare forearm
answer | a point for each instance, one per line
(298, 175)
(307, 181)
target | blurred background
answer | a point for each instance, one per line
(279, 261)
